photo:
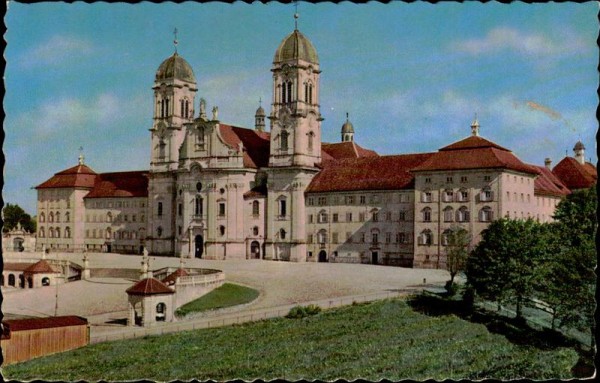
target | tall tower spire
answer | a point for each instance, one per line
(475, 126)
(296, 15)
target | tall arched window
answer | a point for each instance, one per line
(42, 217)
(289, 91)
(322, 236)
(282, 203)
(159, 231)
(108, 233)
(462, 214)
(198, 205)
(311, 137)
(445, 235)
(282, 234)
(283, 93)
(160, 209)
(306, 92)
(310, 92)
(51, 217)
(448, 214)
(67, 217)
(221, 230)
(42, 232)
(67, 232)
(255, 208)
(426, 237)
(486, 214)
(161, 148)
(426, 214)
(283, 140)
(51, 232)
(57, 216)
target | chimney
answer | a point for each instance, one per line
(548, 163)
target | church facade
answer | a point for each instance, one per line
(218, 191)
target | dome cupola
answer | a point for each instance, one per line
(175, 67)
(296, 47)
(347, 130)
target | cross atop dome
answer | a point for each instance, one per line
(296, 15)
(175, 42)
(475, 126)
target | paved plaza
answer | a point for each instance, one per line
(280, 283)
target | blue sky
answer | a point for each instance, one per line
(411, 76)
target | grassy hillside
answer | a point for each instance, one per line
(385, 339)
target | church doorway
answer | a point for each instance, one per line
(322, 256)
(255, 250)
(374, 257)
(198, 246)
(108, 247)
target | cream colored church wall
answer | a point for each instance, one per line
(360, 215)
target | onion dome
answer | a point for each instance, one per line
(175, 67)
(347, 127)
(579, 146)
(296, 47)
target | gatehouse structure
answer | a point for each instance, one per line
(218, 191)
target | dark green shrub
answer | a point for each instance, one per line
(451, 288)
(298, 312)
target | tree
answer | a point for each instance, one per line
(504, 265)
(457, 251)
(569, 282)
(13, 215)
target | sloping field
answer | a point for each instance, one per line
(386, 339)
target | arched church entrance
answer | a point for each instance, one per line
(198, 246)
(255, 250)
(322, 256)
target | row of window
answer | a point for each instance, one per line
(54, 232)
(119, 234)
(375, 216)
(54, 217)
(462, 195)
(515, 197)
(352, 199)
(461, 215)
(110, 218)
(164, 108)
(322, 237)
(116, 204)
(426, 237)
(286, 92)
(463, 179)
(55, 203)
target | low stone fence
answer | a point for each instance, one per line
(190, 287)
(104, 272)
(240, 317)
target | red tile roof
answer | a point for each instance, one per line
(40, 267)
(473, 142)
(120, 184)
(548, 184)
(368, 173)
(149, 286)
(256, 144)
(16, 266)
(79, 176)
(348, 149)
(474, 153)
(172, 278)
(38, 323)
(575, 175)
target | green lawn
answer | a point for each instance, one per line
(385, 339)
(227, 295)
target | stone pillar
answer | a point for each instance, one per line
(131, 312)
(86, 267)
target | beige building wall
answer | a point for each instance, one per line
(361, 227)
(115, 224)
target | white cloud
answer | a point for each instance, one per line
(66, 114)
(509, 39)
(55, 51)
